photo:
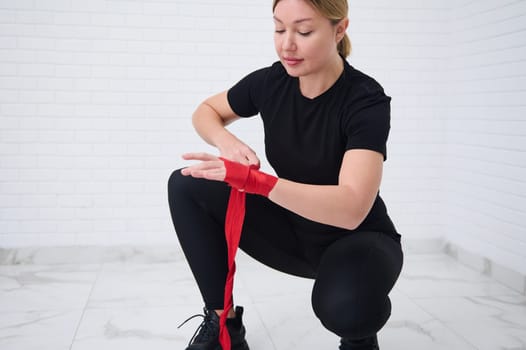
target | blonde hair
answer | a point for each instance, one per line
(334, 11)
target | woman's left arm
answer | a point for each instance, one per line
(344, 205)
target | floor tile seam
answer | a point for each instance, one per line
(134, 307)
(266, 329)
(487, 319)
(506, 287)
(444, 324)
(271, 297)
(468, 296)
(507, 294)
(398, 290)
(33, 310)
(49, 315)
(430, 314)
(253, 301)
(485, 323)
(415, 277)
(268, 297)
(84, 309)
(458, 334)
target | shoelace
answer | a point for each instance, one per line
(204, 330)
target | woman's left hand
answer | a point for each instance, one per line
(210, 167)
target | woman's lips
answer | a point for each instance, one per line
(292, 61)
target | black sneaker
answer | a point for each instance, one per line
(206, 336)
(362, 344)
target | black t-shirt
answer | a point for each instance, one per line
(305, 139)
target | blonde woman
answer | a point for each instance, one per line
(326, 125)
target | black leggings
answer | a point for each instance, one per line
(353, 271)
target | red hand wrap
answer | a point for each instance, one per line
(248, 178)
(235, 216)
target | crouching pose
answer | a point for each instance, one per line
(326, 125)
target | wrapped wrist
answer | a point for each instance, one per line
(248, 178)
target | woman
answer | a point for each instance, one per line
(326, 126)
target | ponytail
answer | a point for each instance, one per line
(344, 46)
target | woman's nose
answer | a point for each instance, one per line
(288, 43)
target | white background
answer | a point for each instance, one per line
(96, 98)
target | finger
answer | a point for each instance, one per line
(203, 156)
(215, 174)
(235, 157)
(239, 157)
(247, 158)
(206, 165)
(209, 174)
(253, 159)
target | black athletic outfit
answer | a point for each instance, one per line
(305, 140)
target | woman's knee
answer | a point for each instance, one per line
(355, 276)
(188, 195)
(349, 317)
(175, 181)
(181, 192)
(180, 186)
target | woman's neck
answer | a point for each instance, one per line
(313, 85)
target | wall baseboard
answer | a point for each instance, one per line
(169, 253)
(505, 275)
(511, 278)
(89, 255)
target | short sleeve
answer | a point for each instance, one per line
(367, 120)
(245, 97)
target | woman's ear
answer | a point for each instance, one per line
(341, 28)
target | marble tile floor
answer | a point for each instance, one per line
(437, 304)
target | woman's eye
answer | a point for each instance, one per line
(281, 31)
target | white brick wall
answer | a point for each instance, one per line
(485, 210)
(402, 46)
(96, 98)
(95, 105)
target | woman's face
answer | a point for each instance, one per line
(305, 41)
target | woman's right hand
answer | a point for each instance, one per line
(231, 148)
(210, 119)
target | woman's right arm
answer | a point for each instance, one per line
(210, 119)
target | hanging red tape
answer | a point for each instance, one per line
(243, 179)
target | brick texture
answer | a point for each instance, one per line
(96, 98)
